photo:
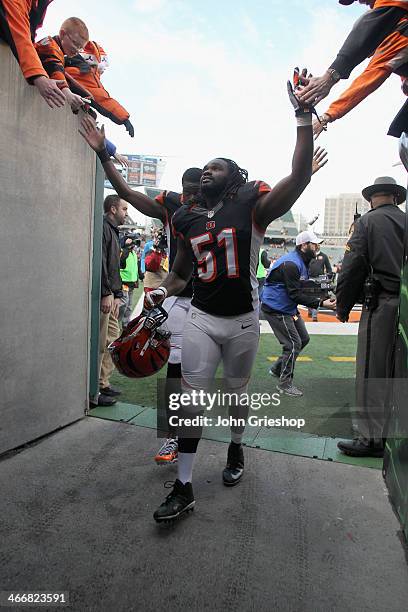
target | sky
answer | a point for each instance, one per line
(208, 79)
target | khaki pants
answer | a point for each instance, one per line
(108, 332)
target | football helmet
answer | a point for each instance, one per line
(143, 348)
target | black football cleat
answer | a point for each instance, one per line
(180, 500)
(361, 448)
(234, 469)
(110, 391)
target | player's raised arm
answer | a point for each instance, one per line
(282, 197)
(95, 137)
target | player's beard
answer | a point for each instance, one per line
(212, 189)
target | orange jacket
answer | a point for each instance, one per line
(20, 20)
(86, 68)
(390, 56)
(52, 57)
(398, 3)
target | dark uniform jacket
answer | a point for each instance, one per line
(111, 281)
(377, 245)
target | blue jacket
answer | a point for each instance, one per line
(275, 295)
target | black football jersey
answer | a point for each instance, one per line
(225, 244)
(172, 201)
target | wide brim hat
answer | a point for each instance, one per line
(388, 185)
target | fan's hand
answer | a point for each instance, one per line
(319, 159)
(320, 125)
(129, 128)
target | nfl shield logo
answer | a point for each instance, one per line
(210, 225)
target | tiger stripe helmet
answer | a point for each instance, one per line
(143, 348)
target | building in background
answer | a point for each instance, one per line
(143, 174)
(300, 221)
(339, 213)
(281, 230)
(143, 170)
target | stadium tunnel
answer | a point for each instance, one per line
(61, 470)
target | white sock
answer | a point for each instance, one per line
(236, 437)
(185, 467)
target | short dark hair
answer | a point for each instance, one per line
(110, 200)
(193, 175)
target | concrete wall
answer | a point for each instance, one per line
(47, 178)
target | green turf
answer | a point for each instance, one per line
(143, 391)
(328, 387)
(328, 394)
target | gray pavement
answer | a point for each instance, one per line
(296, 535)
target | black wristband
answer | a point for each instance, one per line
(103, 155)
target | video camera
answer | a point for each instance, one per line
(160, 242)
(319, 286)
(133, 236)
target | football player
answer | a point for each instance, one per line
(177, 306)
(221, 230)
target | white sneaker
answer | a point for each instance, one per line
(168, 453)
(289, 389)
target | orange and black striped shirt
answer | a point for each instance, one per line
(50, 52)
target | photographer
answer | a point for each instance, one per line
(129, 272)
(156, 262)
(319, 265)
(284, 289)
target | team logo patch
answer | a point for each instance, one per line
(210, 225)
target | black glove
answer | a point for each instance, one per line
(129, 128)
(91, 112)
(298, 81)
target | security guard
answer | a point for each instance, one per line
(372, 269)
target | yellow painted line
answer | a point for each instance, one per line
(301, 358)
(306, 359)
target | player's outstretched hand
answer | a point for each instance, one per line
(155, 297)
(295, 87)
(94, 136)
(319, 159)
